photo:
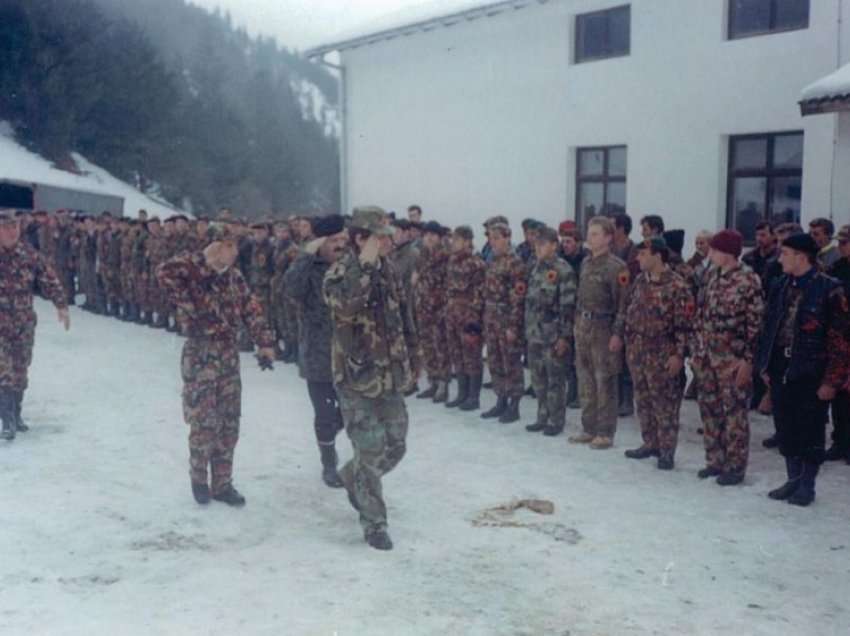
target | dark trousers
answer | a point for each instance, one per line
(800, 418)
(328, 420)
(841, 421)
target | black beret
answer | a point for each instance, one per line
(802, 243)
(530, 224)
(464, 232)
(433, 227)
(328, 225)
(675, 240)
(402, 224)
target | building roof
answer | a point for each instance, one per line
(419, 18)
(829, 94)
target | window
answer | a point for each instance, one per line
(600, 182)
(765, 180)
(758, 17)
(603, 34)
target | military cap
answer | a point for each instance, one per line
(169, 219)
(416, 225)
(328, 225)
(372, 219)
(655, 243)
(402, 224)
(503, 228)
(180, 217)
(802, 243)
(432, 227)
(844, 234)
(531, 224)
(464, 232)
(218, 232)
(675, 240)
(546, 233)
(496, 219)
(153, 219)
(728, 241)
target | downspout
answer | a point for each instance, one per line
(837, 117)
(343, 132)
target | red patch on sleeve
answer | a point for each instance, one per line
(690, 309)
(520, 288)
(551, 276)
(624, 278)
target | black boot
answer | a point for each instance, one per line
(572, 393)
(553, 430)
(201, 493)
(329, 464)
(770, 442)
(18, 399)
(536, 427)
(7, 414)
(462, 391)
(511, 413)
(379, 539)
(626, 407)
(794, 470)
(427, 393)
(442, 392)
(498, 409)
(805, 493)
(473, 399)
(641, 453)
(230, 496)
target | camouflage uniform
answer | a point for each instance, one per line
(549, 316)
(157, 248)
(213, 306)
(659, 314)
(371, 337)
(728, 326)
(142, 276)
(504, 300)
(430, 312)
(465, 303)
(404, 260)
(111, 270)
(283, 256)
(600, 309)
(21, 267)
(87, 260)
(128, 273)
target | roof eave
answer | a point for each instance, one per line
(825, 105)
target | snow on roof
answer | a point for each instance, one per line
(423, 16)
(19, 164)
(834, 88)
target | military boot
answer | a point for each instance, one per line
(230, 496)
(442, 392)
(626, 407)
(805, 493)
(555, 428)
(462, 391)
(572, 394)
(7, 414)
(428, 393)
(201, 493)
(536, 427)
(329, 464)
(379, 539)
(794, 471)
(498, 409)
(511, 413)
(18, 400)
(473, 398)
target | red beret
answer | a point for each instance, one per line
(728, 242)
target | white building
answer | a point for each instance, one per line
(558, 109)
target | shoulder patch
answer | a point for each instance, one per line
(552, 276)
(520, 288)
(623, 278)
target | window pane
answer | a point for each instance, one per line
(792, 14)
(788, 151)
(619, 31)
(591, 163)
(592, 33)
(748, 205)
(617, 162)
(590, 201)
(616, 198)
(749, 17)
(751, 154)
(785, 199)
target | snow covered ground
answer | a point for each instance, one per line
(100, 534)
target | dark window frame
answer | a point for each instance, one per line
(771, 29)
(578, 58)
(605, 178)
(769, 172)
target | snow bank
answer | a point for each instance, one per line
(18, 163)
(833, 86)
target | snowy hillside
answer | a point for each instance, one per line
(18, 163)
(315, 107)
(100, 534)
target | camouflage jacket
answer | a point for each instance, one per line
(113, 251)
(602, 289)
(550, 302)
(465, 285)
(141, 263)
(261, 266)
(730, 316)
(157, 248)
(404, 260)
(303, 285)
(215, 304)
(431, 284)
(659, 314)
(20, 268)
(128, 243)
(504, 292)
(179, 244)
(372, 332)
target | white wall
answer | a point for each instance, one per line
(484, 117)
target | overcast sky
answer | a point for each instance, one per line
(303, 23)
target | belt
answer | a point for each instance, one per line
(591, 315)
(787, 353)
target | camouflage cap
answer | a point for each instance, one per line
(503, 228)
(656, 244)
(218, 232)
(844, 233)
(464, 232)
(496, 219)
(546, 233)
(372, 219)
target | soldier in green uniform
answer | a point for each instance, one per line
(550, 305)
(600, 312)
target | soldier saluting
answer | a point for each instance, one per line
(804, 357)
(20, 268)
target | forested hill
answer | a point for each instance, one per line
(172, 98)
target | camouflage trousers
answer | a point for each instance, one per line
(377, 428)
(143, 295)
(289, 323)
(128, 288)
(16, 356)
(464, 351)
(549, 379)
(724, 412)
(212, 406)
(597, 370)
(658, 397)
(504, 359)
(111, 286)
(432, 339)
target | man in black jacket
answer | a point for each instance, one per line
(803, 356)
(303, 285)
